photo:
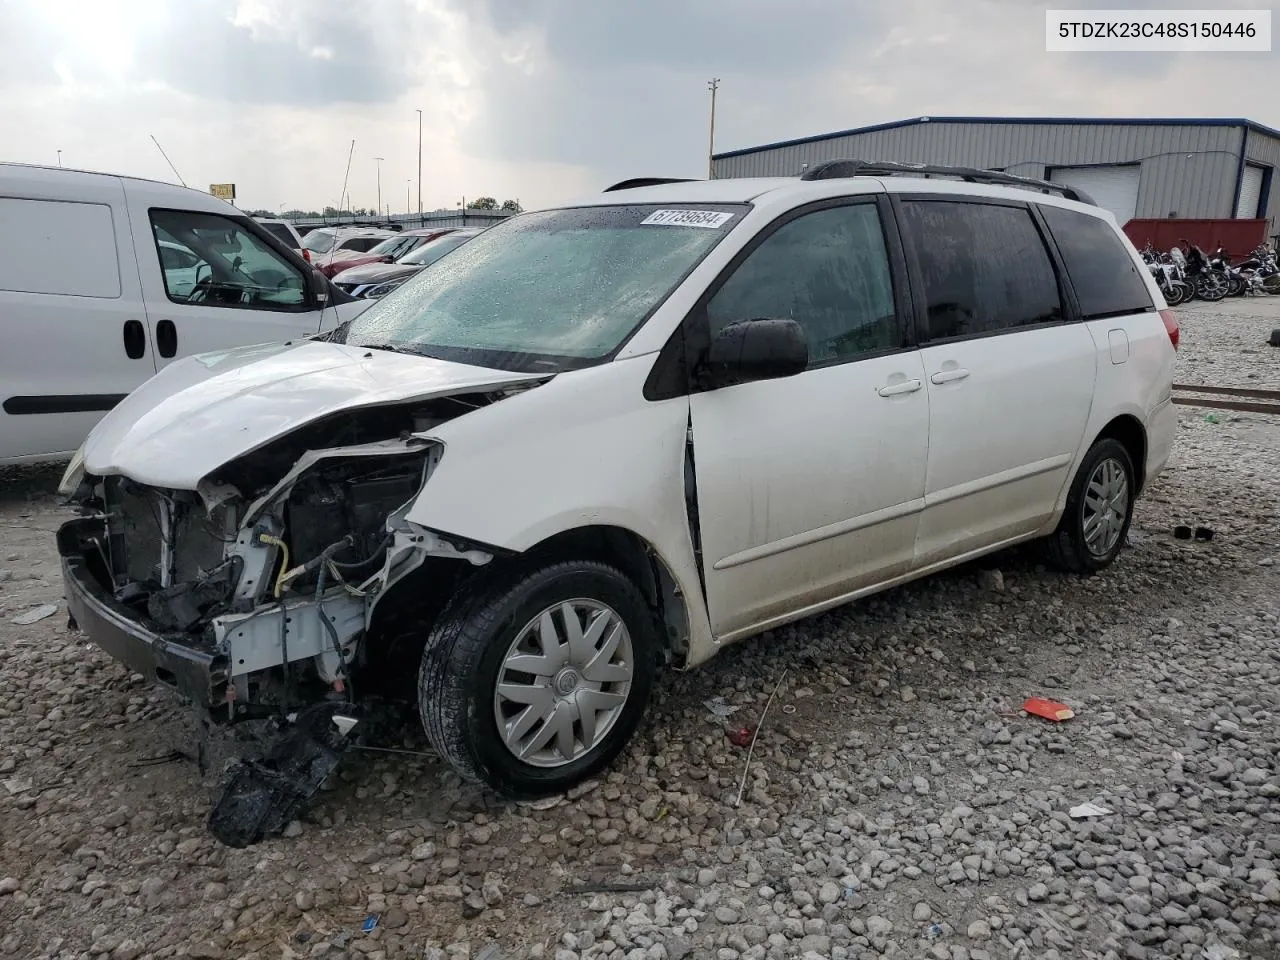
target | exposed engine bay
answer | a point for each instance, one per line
(255, 593)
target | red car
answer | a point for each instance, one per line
(388, 251)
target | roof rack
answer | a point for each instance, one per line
(839, 169)
(646, 182)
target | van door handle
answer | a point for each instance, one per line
(166, 338)
(902, 386)
(135, 339)
(946, 376)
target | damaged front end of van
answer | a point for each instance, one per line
(241, 520)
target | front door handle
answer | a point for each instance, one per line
(166, 338)
(946, 376)
(902, 386)
(135, 339)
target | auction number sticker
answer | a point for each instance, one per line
(710, 219)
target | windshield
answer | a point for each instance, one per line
(548, 291)
(435, 249)
(318, 241)
(392, 246)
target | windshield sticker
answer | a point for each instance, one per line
(710, 219)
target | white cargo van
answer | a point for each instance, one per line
(105, 280)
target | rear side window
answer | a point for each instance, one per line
(55, 247)
(281, 233)
(1106, 281)
(984, 267)
(360, 244)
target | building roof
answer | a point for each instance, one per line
(1029, 121)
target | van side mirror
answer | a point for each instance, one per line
(761, 349)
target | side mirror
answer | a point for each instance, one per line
(762, 349)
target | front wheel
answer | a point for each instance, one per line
(1098, 513)
(537, 679)
(1212, 286)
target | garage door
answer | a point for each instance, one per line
(1112, 188)
(1250, 192)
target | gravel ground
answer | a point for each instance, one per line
(898, 802)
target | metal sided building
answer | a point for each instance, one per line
(1149, 168)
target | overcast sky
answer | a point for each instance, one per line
(538, 99)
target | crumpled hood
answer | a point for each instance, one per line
(203, 411)
(376, 272)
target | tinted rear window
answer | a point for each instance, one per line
(1106, 280)
(984, 267)
(281, 233)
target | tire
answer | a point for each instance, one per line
(1271, 283)
(1069, 548)
(1238, 286)
(1179, 293)
(467, 655)
(1212, 286)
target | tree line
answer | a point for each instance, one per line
(480, 203)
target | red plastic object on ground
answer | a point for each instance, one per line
(741, 737)
(1048, 709)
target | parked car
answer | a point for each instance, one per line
(388, 251)
(105, 280)
(376, 280)
(324, 245)
(284, 231)
(620, 433)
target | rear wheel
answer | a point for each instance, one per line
(1271, 283)
(1212, 286)
(1098, 513)
(537, 679)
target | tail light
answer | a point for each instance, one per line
(1171, 327)
(306, 254)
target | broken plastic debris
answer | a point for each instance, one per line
(1217, 950)
(370, 922)
(933, 931)
(718, 707)
(544, 803)
(1048, 709)
(1211, 418)
(39, 613)
(1088, 810)
(788, 708)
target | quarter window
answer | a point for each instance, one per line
(984, 267)
(1105, 278)
(828, 271)
(212, 260)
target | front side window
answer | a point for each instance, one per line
(1105, 278)
(548, 291)
(359, 244)
(984, 267)
(827, 270)
(213, 260)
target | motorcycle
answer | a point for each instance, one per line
(1261, 270)
(1168, 277)
(1209, 284)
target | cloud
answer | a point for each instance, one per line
(536, 99)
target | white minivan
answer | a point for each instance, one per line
(624, 431)
(105, 280)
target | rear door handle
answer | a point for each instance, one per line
(166, 338)
(135, 339)
(946, 376)
(902, 386)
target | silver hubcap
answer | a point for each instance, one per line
(563, 682)
(1106, 504)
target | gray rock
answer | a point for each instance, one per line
(979, 930)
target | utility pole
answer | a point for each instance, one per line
(408, 209)
(713, 85)
(59, 158)
(379, 159)
(419, 165)
(342, 198)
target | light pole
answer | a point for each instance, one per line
(379, 159)
(713, 86)
(59, 158)
(408, 210)
(419, 165)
